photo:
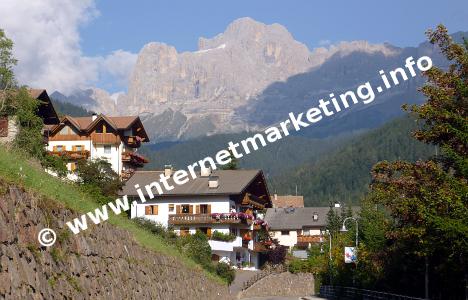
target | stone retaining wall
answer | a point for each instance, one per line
(101, 263)
(283, 284)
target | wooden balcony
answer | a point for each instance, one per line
(132, 141)
(134, 159)
(105, 138)
(308, 238)
(81, 154)
(68, 137)
(186, 219)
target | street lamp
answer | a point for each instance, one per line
(344, 229)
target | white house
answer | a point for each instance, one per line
(226, 201)
(114, 139)
(298, 226)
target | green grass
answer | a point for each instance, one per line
(16, 168)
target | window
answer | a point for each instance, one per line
(107, 149)
(284, 232)
(59, 148)
(184, 231)
(315, 217)
(79, 148)
(185, 209)
(205, 230)
(204, 209)
(4, 126)
(171, 207)
(151, 210)
(233, 231)
(66, 130)
(100, 128)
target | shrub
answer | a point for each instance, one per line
(226, 272)
(219, 236)
(99, 173)
(277, 254)
(197, 247)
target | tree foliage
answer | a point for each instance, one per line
(417, 212)
(98, 175)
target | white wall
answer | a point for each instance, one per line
(219, 204)
(285, 240)
(96, 151)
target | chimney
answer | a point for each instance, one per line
(168, 170)
(205, 171)
(213, 182)
(94, 116)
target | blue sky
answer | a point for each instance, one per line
(76, 44)
(128, 25)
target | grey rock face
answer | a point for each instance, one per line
(191, 94)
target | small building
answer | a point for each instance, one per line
(287, 201)
(115, 139)
(8, 124)
(227, 201)
(299, 226)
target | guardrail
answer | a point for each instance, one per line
(263, 274)
(350, 293)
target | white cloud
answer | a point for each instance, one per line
(47, 44)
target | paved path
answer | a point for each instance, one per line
(241, 277)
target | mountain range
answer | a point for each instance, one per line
(249, 77)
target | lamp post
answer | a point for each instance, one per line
(330, 254)
(344, 229)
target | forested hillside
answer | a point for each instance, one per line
(344, 174)
(64, 108)
(278, 157)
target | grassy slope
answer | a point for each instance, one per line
(18, 169)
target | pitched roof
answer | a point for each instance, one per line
(121, 123)
(86, 124)
(231, 182)
(288, 201)
(298, 218)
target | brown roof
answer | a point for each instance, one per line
(231, 182)
(118, 122)
(288, 201)
(86, 124)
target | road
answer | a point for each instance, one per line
(284, 298)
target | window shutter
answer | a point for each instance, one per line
(73, 148)
(209, 208)
(55, 149)
(148, 210)
(208, 232)
(197, 209)
(155, 209)
(190, 209)
(4, 126)
(178, 209)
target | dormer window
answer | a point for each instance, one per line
(315, 217)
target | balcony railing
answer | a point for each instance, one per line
(105, 138)
(228, 218)
(132, 141)
(78, 154)
(134, 158)
(308, 239)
